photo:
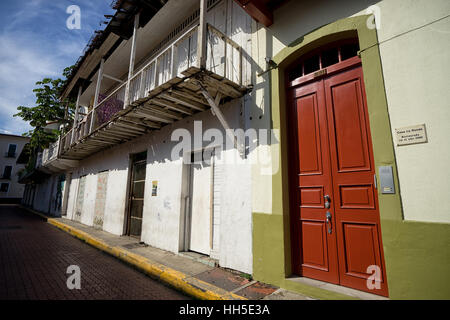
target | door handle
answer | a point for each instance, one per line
(328, 221)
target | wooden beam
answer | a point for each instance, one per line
(112, 131)
(132, 127)
(101, 141)
(117, 127)
(258, 10)
(189, 94)
(185, 101)
(218, 113)
(152, 116)
(222, 87)
(118, 135)
(119, 131)
(202, 32)
(141, 121)
(108, 138)
(162, 111)
(171, 105)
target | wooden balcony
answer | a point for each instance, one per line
(170, 87)
(49, 162)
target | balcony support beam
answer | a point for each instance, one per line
(132, 58)
(214, 103)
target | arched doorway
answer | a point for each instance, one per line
(336, 234)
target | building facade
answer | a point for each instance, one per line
(302, 143)
(11, 146)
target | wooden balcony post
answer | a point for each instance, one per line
(202, 32)
(97, 92)
(75, 119)
(132, 58)
(59, 150)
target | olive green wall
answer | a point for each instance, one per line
(417, 255)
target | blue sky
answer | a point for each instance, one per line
(36, 43)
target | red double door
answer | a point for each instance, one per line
(337, 236)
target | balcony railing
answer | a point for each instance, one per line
(50, 153)
(223, 58)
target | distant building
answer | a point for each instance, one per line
(10, 147)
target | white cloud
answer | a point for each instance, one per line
(35, 43)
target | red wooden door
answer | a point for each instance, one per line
(334, 164)
(318, 248)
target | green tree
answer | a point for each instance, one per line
(48, 108)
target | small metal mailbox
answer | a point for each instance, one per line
(386, 179)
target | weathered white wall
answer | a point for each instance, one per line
(116, 161)
(162, 214)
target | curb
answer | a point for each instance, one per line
(187, 284)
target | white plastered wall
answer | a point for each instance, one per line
(414, 41)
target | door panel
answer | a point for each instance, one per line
(332, 170)
(314, 239)
(136, 195)
(200, 233)
(318, 255)
(310, 161)
(350, 136)
(361, 249)
(355, 203)
(356, 197)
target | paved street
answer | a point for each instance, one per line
(34, 257)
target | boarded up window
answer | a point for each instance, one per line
(100, 199)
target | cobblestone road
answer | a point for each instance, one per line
(34, 257)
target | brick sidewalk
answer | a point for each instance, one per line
(199, 268)
(34, 257)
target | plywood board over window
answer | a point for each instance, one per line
(80, 199)
(100, 199)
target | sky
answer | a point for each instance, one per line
(35, 43)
